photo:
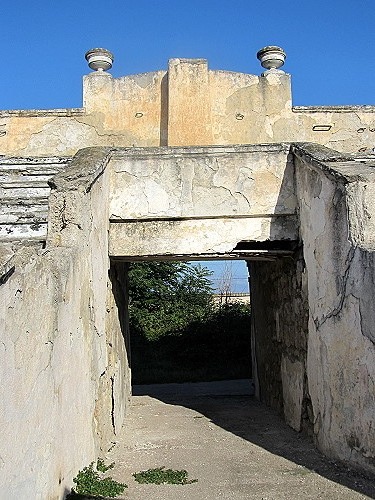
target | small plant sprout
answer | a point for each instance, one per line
(102, 467)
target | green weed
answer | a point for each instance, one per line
(89, 483)
(161, 475)
(102, 467)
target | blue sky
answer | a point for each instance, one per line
(329, 45)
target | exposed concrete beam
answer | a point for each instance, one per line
(198, 236)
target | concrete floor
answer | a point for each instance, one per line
(236, 448)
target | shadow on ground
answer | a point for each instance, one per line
(245, 417)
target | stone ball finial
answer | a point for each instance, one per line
(272, 58)
(99, 59)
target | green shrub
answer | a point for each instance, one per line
(165, 297)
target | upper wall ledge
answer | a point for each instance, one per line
(333, 109)
(82, 111)
(42, 112)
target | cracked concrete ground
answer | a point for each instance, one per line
(236, 447)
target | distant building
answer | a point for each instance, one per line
(231, 298)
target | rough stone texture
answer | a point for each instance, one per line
(186, 105)
(336, 216)
(292, 378)
(280, 331)
(62, 343)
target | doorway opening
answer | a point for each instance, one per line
(189, 321)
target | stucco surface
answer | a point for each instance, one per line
(47, 402)
(62, 344)
(340, 268)
(188, 104)
(210, 182)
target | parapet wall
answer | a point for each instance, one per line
(187, 105)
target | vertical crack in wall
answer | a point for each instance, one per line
(343, 292)
(113, 404)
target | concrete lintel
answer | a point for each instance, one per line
(201, 237)
(120, 153)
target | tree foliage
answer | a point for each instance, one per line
(165, 297)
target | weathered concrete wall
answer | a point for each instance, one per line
(47, 393)
(62, 342)
(164, 199)
(337, 227)
(280, 332)
(313, 316)
(186, 105)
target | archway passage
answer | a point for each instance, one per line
(221, 203)
(299, 214)
(277, 332)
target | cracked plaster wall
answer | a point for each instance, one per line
(47, 394)
(186, 105)
(62, 342)
(340, 265)
(163, 200)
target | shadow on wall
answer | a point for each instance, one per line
(280, 315)
(118, 274)
(164, 111)
(251, 420)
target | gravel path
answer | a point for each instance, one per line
(236, 447)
